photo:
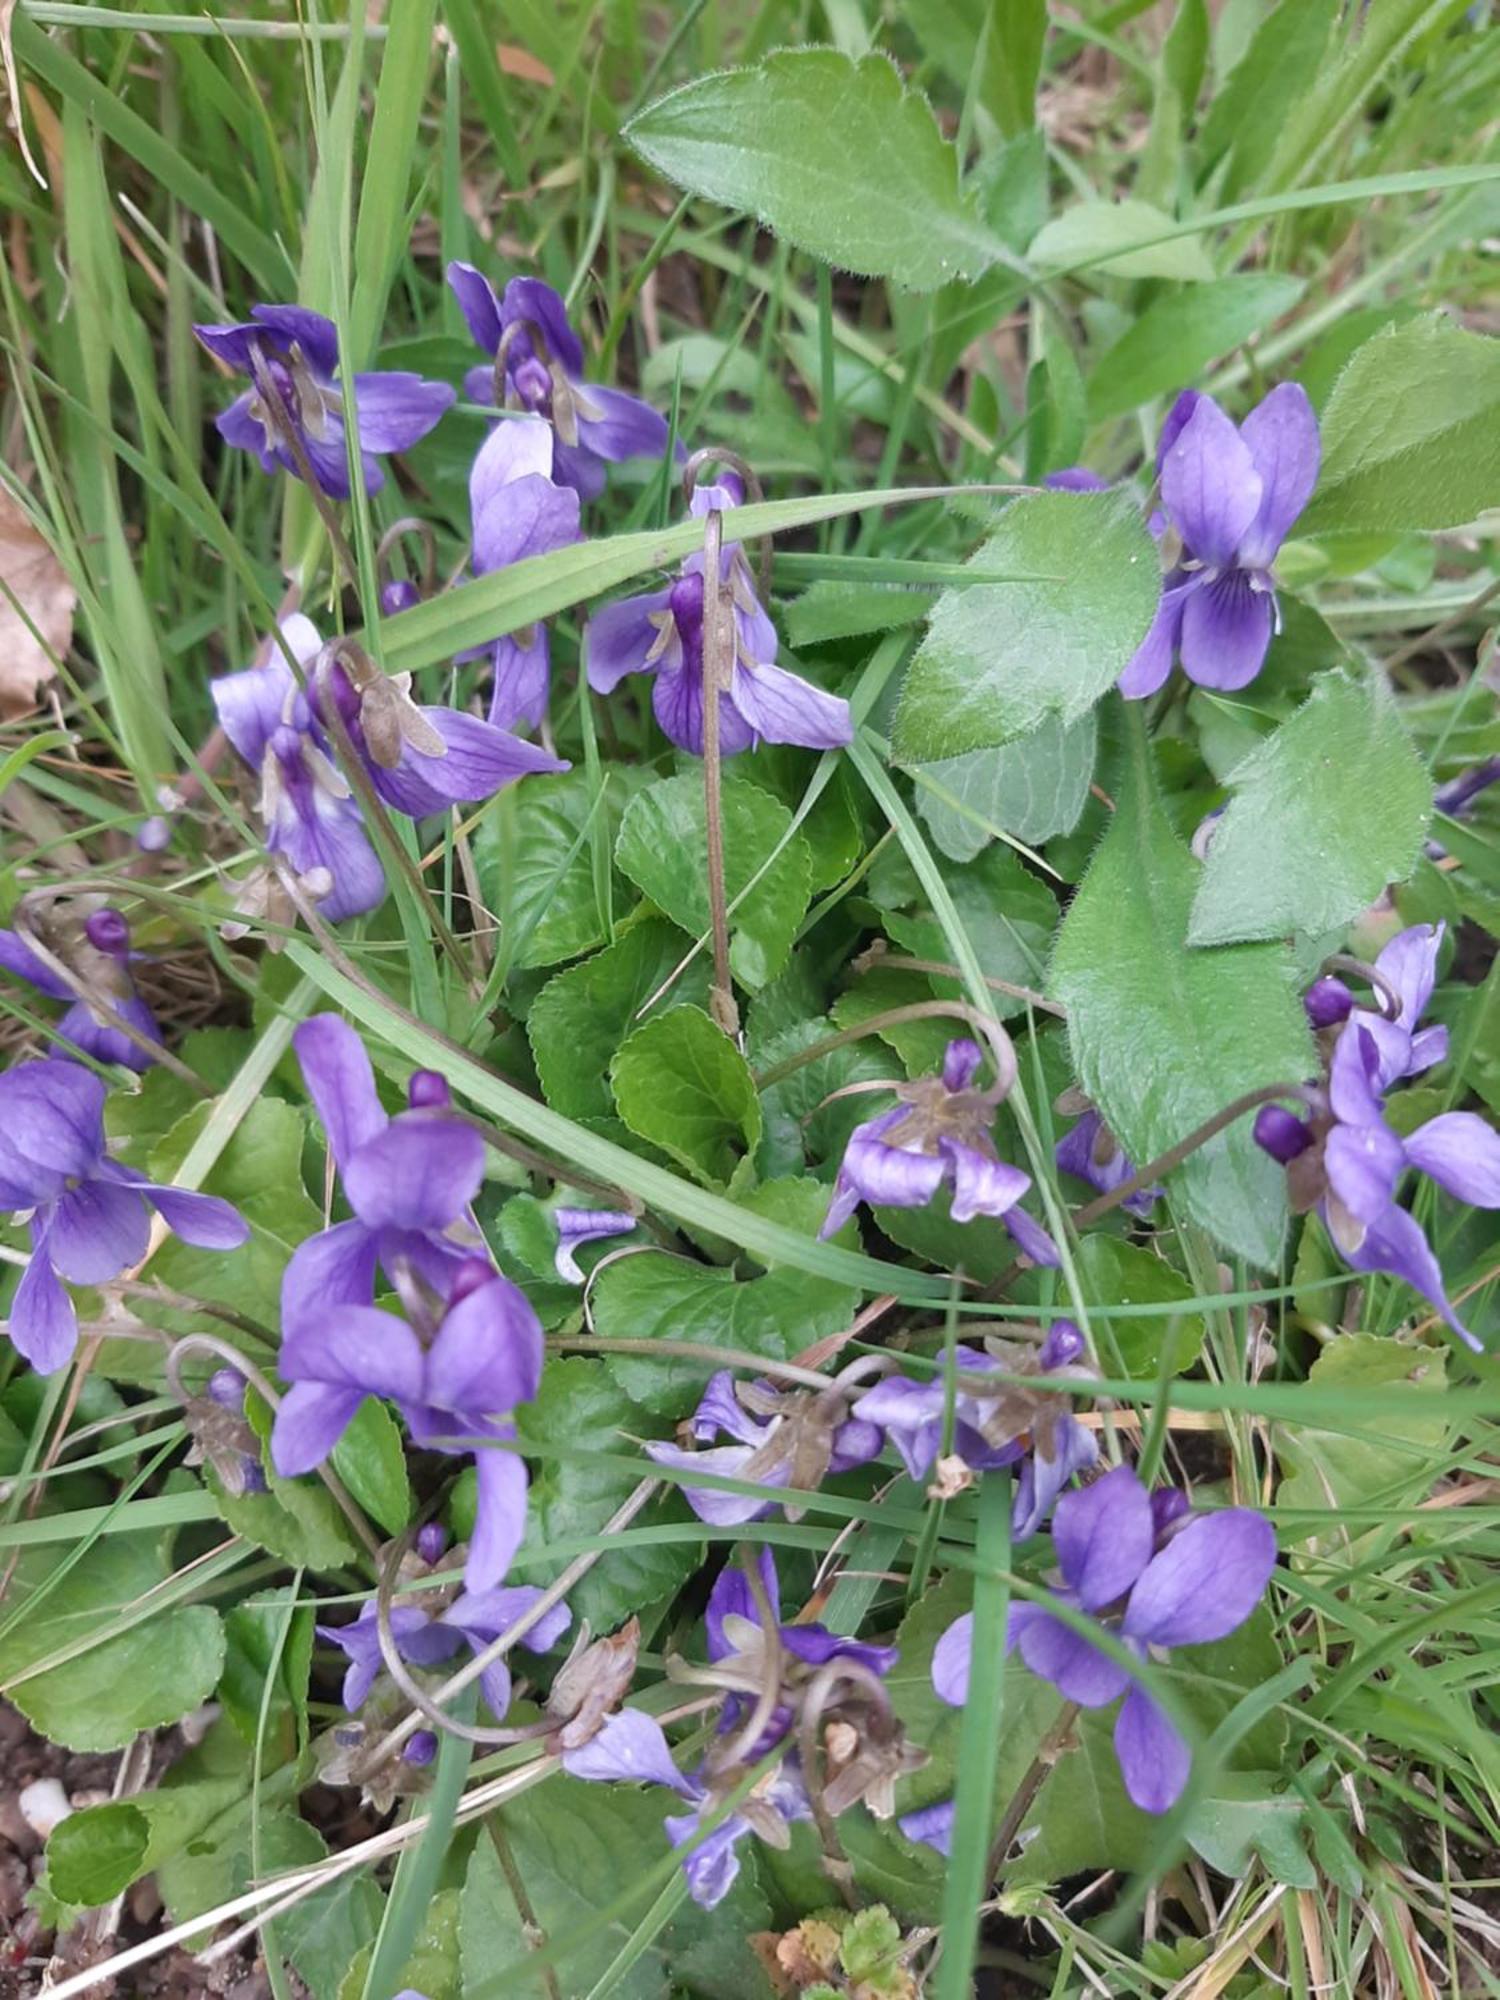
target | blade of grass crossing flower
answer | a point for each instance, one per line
(978, 1746)
(421, 1864)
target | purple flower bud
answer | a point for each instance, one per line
(432, 1539)
(107, 931)
(1281, 1133)
(226, 1387)
(153, 834)
(1328, 1001)
(421, 1749)
(1063, 1346)
(426, 1090)
(398, 595)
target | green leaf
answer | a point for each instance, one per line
(95, 1854)
(1123, 1274)
(432, 1967)
(1118, 239)
(1181, 333)
(657, 1297)
(1008, 915)
(849, 610)
(256, 1633)
(578, 1405)
(838, 157)
(1326, 812)
(663, 848)
(1411, 434)
(371, 1460)
(1001, 659)
(533, 855)
(1003, 36)
(144, 1677)
(327, 1932)
(1245, 1815)
(1032, 788)
(681, 1083)
(296, 1519)
(1164, 1036)
(1248, 115)
(581, 1016)
(220, 1863)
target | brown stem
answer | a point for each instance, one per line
(717, 652)
(768, 1618)
(1024, 1798)
(891, 1017)
(269, 392)
(1166, 1162)
(531, 1929)
(717, 454)
(876, 959)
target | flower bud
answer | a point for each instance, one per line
(398, 595)
(427, 1091)
(432, 1539)
(1281, 1133)
(422, 1748)
(1328, 1001)
(107, 931)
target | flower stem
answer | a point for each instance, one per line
(1024, 1797)
(878, 959)
(892, 1017)
(269, 391)
(1166, 1162)
(717, 642)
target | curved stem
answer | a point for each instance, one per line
(878, 960)
(717, 454)
(891, 1017)
(1343, 961)
(769, 1695)
(1174, 1156)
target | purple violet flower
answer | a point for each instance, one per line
(1231, 495)
(938, 1135)
(90, 1217)
(661, 633)
(931, 1825)
(577, 1226)
(526, 333)
(1075, 479)
(766, 1448)
(291, 356)
(1157, 1579)
(100, 960)
(1455, 798)
(518, 511)
(1092, 1153)
(475, 1619)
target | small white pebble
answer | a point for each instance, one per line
(44, 1805)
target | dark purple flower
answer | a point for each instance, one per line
(475, 1619)
(577, 1226)
(661, 633)
(518, 511)
(90, 1217)
(1328, 1002)
(100, 961)
(526, 334)
(1155, 1584)
(292, 356)
(1231, 496)
(794, 1443)
(938, 1135)
(1093, 1153)
(1458, 794)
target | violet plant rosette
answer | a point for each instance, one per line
(90, 1217)
(1156, 1576)
(101, 963)
(1230, 495)
(1343, 1158)
(939, 1136)
(536, 360)
(292, 356)
(518, 510)
(661, 633)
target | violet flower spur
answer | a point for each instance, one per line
(1231, 495)
(536, 365)
(1091, 1153)
(781, 1439)
(292, 356)
(90, 1217)
(1156, 1576)
(937, 1136)
(577, 1226)
(661, 633)
(100, 959)
(518, 511)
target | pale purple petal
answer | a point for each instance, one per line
(51, 1128)
(620, 635)
(240, 427)
(517, 448)
(1031, 1239)
(981, 1186)
(712, 1867)
(252, 705)
(341, 1084)
(316, 335)
(393, 410)
(718, 1508)
(1461, 1153)
(1205, 1583)
(1043, 1476)
(950, 1661)
(311, 1419)
(521, 679)
(783, 708)
(1351, 1073)
(484, 1614)
(816, 1645)
(962, 1061)
(720, 1412)
(42, 1322)
(107, 1043)
(1408, 964)
(16, 956)
(487, 1356)
(931, 1826)
(478, 304)
(1074, 1666)
(500, 1517)
(677, 703)
(359, 1348)
(1363, 1164)
(731, 1598)
(1154, 1759)
(1209, 484)
(1153, 657)
(1282, 433)
(632, 1749)
(233, 343)
(1226, 631)
(421, 1172)
(1103, 1535)
(1396, 1244)
(888, 1174)
(96, 1230)
(205, 1220)
(625, 427)
(480, 759)
(580, 470)
(1075, 479)
(1428, 1047)
(1177, 418)
(334, 1268)
(577, 1226)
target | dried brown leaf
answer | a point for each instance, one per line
(32, 579)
